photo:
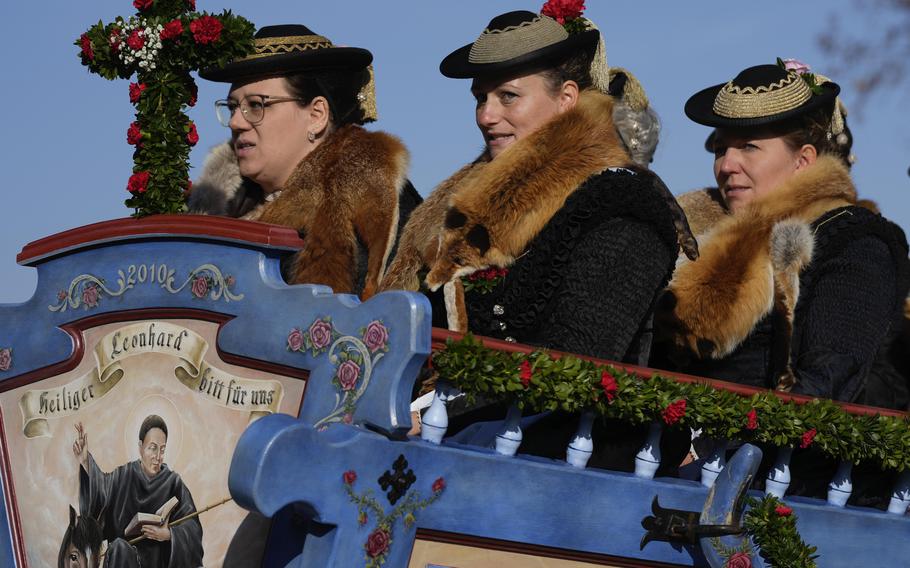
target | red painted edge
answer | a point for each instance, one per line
(439, 337)
(218, 228)
(538, 550)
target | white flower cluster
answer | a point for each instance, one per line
(151, 43)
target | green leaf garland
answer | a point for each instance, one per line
(571, 384)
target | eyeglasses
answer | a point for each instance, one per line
(251, 106)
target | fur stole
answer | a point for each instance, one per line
(487, 212)
(344, 192)
(495, 213)
(221, 190)
(750, 262)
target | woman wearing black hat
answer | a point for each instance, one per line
(299, 157)
(553, 237)
(796, 287)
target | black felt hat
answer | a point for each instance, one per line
(290, 48)
(758, 95)
(514, 41)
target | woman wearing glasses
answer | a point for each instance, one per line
(298, 157)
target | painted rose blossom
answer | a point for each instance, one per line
(295, 339)
(349, 477)
(378, 542)
(200, 286)
(376, 336)
(439, 485)
(348, 373)
(6, 358)
(739, 560)
(90, 296)
(320, 334)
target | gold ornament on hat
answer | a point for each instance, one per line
(600, 71)
(733, 101)
(367, 98)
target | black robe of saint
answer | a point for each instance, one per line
(117, 496)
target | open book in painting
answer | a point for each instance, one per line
(159, 517)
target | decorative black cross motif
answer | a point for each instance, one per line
(160, 45)
(398, 479)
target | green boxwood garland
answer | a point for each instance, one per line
(171, 40)
(572, 385)
(772, 526)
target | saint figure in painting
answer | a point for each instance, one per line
(140, 487)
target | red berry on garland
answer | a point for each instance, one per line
(783, 510)
(807, 438)
(674, 412)
(608, 383)
(752, 417)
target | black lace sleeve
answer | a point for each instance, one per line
(845, 320)
(609, 286)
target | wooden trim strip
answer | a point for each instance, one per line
(204, 226)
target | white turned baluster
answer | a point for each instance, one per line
(841, 486)
(436, 419)
(900, 496)
(509, 438)
(581, 447)
(648, 458)
(778, 480)
(714, 464)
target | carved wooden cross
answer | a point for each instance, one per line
(161, 44)
(398, 481)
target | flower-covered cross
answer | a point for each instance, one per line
(161, 44)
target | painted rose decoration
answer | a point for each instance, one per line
(90, 295)
(6, 359)
(320, 334)
(200, 286)
(295, 339)
(376, 336)
(348, 373)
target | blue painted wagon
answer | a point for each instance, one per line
(288, 410)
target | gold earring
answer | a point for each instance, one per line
(311, 136)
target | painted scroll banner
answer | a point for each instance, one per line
(255, 396)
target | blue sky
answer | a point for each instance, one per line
(66, 161)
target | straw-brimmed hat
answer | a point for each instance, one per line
(286, 49)
(759, 95)
(515, 41)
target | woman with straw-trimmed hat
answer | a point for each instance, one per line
(554, 214)
(299, 157)
(797, 286)
(553, 236)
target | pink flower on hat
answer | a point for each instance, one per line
(796, 65)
